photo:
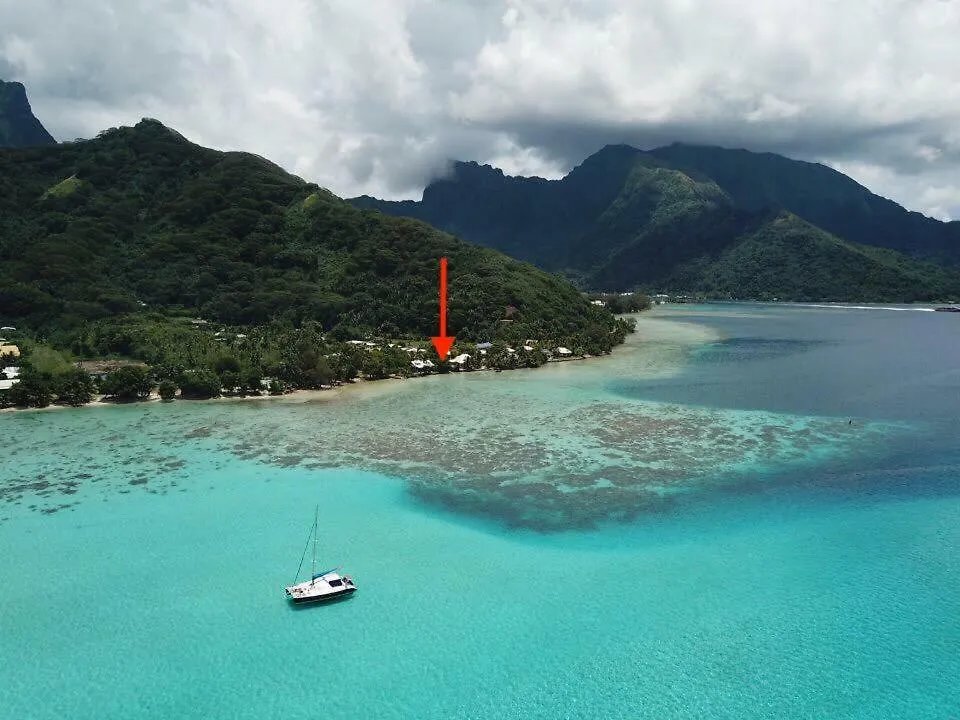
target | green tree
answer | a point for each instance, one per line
(229, 381)
(73, 387)
(128, 382)
(46, 359)
(35, 389)
(251, 381)
(199, 383)
(167, 389)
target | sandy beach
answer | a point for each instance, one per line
(656, 349)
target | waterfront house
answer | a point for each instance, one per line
(9, 376)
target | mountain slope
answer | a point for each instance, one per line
(18, 125)
(820, 195)
(626, 218)
(140, 217)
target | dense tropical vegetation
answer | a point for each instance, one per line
(223, 273)
(200, 360)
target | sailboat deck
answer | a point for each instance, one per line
(331, 583)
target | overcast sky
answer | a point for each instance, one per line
(373, 96)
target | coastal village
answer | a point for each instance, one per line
(465, 357)
(191, 357)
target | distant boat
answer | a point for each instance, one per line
(322, 586)
(947, 309)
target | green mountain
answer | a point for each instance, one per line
(139, 219)
(820, 195)
(680, 217)
(18, 126)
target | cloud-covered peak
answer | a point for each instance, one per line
(379, 96)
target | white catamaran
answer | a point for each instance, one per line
(321, 586)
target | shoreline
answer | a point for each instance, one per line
(304, 394)
(654, 331)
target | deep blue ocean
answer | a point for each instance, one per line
(749, 511)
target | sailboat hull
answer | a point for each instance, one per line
(321, 598)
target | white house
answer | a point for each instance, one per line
(9, 376)
(564, 351)
(460, 359)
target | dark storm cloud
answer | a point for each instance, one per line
(377, 96)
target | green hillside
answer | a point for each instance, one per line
(679, 218)
(821, 196)
(786, 257)
(141, 220)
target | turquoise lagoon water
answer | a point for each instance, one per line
(666, 533)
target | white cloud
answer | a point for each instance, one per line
(376, 96)
(941, 202)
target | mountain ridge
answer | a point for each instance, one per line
(683, 203)
(19, 127)
(140, 219)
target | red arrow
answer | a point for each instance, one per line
(442, 343)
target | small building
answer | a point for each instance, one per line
(9, 376)
(564, 351)
(460, 359)
(484, 346)
(9, 349)
(598, 303)
(422, 364)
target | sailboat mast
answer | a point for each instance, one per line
(313, 565)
